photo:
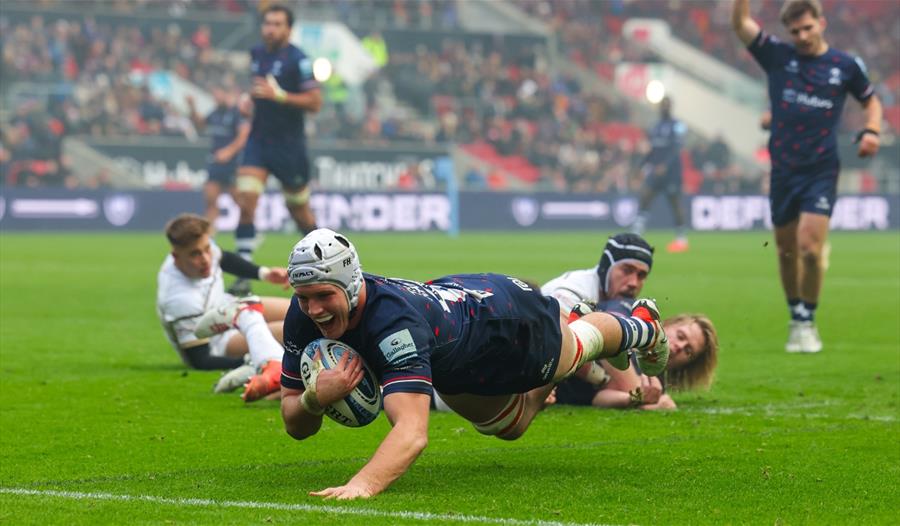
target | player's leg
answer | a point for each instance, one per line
(676, 201)
(648, 193)
(292, 169)
(812, 235)
(297, 202)
(275, 309)
(250, 184)
(211, 191)
(502, 416)
(784, 201)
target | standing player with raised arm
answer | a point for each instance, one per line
(284, 90)
(808, 85)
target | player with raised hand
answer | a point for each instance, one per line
(491, 345)
(211, 329)
(284, 90)
(808, 83)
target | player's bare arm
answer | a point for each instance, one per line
(227, 152)
(195, 117)
(870, 140)
(310, 100)
(408, 414)
(302, 410)
(746, 28)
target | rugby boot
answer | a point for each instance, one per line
(267, 382)
(652, 357)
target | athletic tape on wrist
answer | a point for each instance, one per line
(310, 403)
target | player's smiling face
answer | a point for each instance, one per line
(806, 33)
(326, 305)
(686, 343)
(194, 260)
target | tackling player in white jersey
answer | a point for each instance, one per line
(611, 286)
(211, 329)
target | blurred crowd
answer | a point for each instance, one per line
(590, 33)
(495, 96)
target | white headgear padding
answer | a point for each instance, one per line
(324, 256)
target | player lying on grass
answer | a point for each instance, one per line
(493, 346)
(214, 330)
(693, 355)
(611, 286)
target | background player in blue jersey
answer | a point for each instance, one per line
(283, 91)
(808, 82)
(492, 345)
(662, 173)
(228, 131)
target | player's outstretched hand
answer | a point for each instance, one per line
(278, 276)
(869, 144)
(349, 491)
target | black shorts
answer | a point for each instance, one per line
(504, 354)
(575, 391)
(668, 183)
(223, 174)
(285, 159)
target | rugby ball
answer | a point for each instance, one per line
(358, 408)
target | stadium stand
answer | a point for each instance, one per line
(521, 122)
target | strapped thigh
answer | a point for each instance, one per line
(506, 420)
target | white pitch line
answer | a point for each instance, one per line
(339, 510)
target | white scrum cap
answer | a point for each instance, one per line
(324, 256)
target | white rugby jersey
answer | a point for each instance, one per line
(180, 300)
(574, 286)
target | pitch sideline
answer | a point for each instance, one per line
(310, 508)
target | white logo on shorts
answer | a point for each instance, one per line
(822, 203)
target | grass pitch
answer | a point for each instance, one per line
(100, 422)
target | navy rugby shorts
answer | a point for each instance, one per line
(286, 160)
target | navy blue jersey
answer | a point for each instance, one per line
(293, 70)
(807, 96)
(222, 125)
(482, 334)
(666, 140)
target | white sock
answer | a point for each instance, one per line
(263, 346)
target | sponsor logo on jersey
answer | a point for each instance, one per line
(794, 97)
(791, 66)
(835, 79)
(398, 347)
